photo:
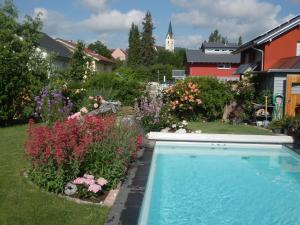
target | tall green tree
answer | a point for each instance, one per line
(100, 48)
(79, 63)
(23, 69)
(148, 52)
(216, 37)
(240, 41)
(134, 49)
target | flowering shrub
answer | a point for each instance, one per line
(184, 99)
(86, 186)
(52, 106)
(94, 102)
(59, 151)
(148, 112)
(110, 157)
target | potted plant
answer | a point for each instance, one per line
(276, 126)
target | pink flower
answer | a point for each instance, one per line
(75, 116)
(102, 181)
(84, 110)
(94, 188)
(91, 97)
(88, 176)
(89, 182)
(79, 180)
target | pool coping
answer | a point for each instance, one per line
(224, 138)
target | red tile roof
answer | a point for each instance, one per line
(290, 63)
(88, 51)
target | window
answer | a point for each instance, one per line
(298, 49)
(224, 66)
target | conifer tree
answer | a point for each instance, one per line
(240, 42)
(134, 56)
(148, 52)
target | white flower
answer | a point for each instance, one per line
(84, 77)
(96, 105)
(184, 122)
(84, 110)
(174, 125)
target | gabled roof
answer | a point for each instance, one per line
(271, 34)
(198, 56)
(290, 64)
(52, 46)
(219, 45)
(88, 51)
(170, 30)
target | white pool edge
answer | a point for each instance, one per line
(226, 138)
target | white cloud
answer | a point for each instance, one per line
(113, 20)
(95, 5)
(189, 41)
(232, 18)
(104, 23)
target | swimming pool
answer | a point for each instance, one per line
(222, 184)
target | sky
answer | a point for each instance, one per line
(192, 20)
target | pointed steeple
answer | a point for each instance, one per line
(170, 31)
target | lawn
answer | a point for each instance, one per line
(226, 128)
(22, 203)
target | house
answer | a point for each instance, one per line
(178, 74)
(119, 54)
(99, 62)
(213, 59)
(275, 58)
(61, 54)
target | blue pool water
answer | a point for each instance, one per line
(224, 184)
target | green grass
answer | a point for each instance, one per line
(226, 128)
(22, 203)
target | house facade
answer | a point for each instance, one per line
(275, 58)
(99, 62)
(213, 59)
(61, 54)
(119, 54)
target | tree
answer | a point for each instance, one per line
(100, 48)
(23, 69)
(240, 41)
(175, 59)
(134, 50)
(148, 52)
(216, 37)
(79, 63)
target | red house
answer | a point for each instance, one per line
(275, 57)
(213, 59)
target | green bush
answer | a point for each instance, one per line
(124, 89)
(214, 95)
(110, 157)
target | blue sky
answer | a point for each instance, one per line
(192, 20)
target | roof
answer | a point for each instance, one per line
(170, 30)
(88, 51)
(242, 69)
(271, 34)
(219, 45)
(52, 46)
(198, 56)
(178, 73)
(290, 64)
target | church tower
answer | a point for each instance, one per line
(170, 39)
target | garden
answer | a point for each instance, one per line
(71, 135)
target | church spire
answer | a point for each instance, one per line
(170, 31)
(170, 39)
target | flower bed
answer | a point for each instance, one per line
(90, 154)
